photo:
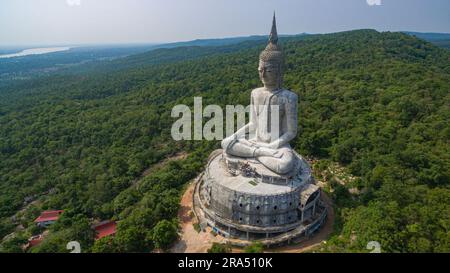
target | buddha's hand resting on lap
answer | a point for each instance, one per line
(271, 145)
(262, 151)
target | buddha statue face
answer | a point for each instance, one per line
(270, 75)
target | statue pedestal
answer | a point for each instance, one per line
(241, 198)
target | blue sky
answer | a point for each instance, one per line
(57, 22)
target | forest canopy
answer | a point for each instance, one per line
(376, 103)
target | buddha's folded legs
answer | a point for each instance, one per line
(280, 160)
(281, 165)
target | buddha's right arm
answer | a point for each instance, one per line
(248, 128)
(238, 135)
(241, 132)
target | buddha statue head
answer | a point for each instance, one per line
(271, 61)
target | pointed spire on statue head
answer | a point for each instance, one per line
(273, 38)
(273, 52)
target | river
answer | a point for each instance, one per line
(35, 51)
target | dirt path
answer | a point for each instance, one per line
(192, 241)
(178, 156)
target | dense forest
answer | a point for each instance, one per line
(376, 103)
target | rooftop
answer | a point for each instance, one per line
(104, 229)
(49, 215)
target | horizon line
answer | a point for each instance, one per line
(35, 45)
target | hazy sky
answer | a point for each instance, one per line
(57, 22)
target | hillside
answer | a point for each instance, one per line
(376, 103)
(98, 57)
(439, 39)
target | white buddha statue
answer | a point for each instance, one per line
(256, 139)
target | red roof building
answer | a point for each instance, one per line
(105, 228)
(48, 217)
(35, 240)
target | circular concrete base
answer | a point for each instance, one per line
(226, 216)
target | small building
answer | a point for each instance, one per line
(105, 228)
(48, 217)
(34, 241)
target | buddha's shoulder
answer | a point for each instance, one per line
(288, 94)
(283, 93)
(257, 90)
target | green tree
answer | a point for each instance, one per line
(106, 244)
(164, 234)
(14, 244)
(256, 247)
(219, 248)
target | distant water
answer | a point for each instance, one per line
(35, 51)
